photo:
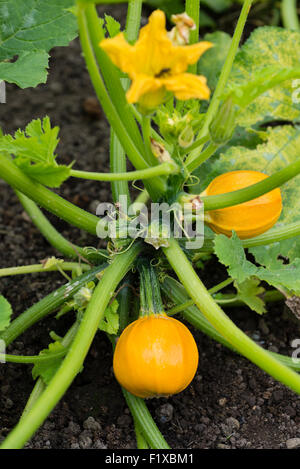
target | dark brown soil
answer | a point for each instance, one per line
(230, 403)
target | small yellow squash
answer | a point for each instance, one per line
(155, 356)
(248, 219)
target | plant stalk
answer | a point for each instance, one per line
(77, 353)
(220, 321)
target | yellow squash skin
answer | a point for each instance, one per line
(155, 356)
(248, 219)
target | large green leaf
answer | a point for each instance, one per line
(5, 313)
(28, 30)
(34, 152)
(28, 71)
(231, 253)
(268, 50)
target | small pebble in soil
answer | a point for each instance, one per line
(85, 441)
(233, 423)
(222, 401)
(293, 443)
(91, 424)
(165, 413)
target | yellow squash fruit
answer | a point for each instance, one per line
(248, 219)
(155, 356)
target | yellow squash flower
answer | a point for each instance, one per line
(156, 66)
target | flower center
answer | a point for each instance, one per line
(163, 72)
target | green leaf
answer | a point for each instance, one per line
(45, 173)
(211, 63)
(249, 291)
(231, 253)
(28, 71)
(267, 48)
(34, 152)
(28, 30)
(110, 322)
(37, 143)
(113, 26)
(47, 369)
(5, 313)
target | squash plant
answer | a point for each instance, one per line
(212, 130)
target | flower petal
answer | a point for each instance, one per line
(153, 46)
(183, 56)
(143, 85)
(120, 52)
(187, 86)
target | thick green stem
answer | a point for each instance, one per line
(124, 298)
(142, 198)
(40, 386)
(142, 415)
(229, 199)
(176, 293)
(156, 186)
(35, 268)
(146, 129)
(290, 15)
(105, 100)
(275, 235)
(47, 305)
(46, 198)
(150, 297)
(133, 20)
(192, 8)
(195, 145)
(207, 153)
(64, 246)
(115, 85)
(141, 442)
(37, 391)
(218, 319)
(163, 169)
(214, 104)
(118, 164)
(117, 153)
(77, 353)
(181, 307)
(31, 359)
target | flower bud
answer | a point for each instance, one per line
(222, 127)
(186, 137)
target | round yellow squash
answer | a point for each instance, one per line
(155, 356)
(248, 219)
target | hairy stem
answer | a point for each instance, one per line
(64, 246)
(46, 198)
(220, 321)
(47, 305)
(192, 8)
(163, 169)
(215, 101)
(35, 268)
(77, 353)
(289, 14)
